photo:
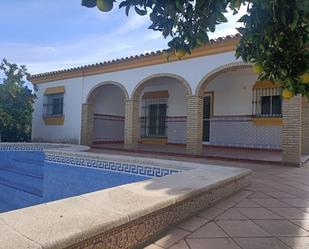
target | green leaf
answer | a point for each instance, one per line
(123, 4)
(221, 18)
(127, 9)
(140, 12)
(89, 3)
(303, 5)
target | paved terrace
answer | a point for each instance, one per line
(209, 152)
(272, 213)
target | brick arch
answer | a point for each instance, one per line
(87, 124)
(204, 82)
(140, 86)
(90, 96)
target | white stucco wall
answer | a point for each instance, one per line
(192, 71)
(233, 92)
(177, 105)
(77, 90)
(232, 123)
(70, 131)
(109, 100)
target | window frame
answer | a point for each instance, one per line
(49, 105)
(257, 102)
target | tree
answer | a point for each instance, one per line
(274, 36)
(16, 101)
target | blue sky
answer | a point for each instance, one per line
(51, 35)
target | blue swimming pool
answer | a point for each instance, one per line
(30, 177)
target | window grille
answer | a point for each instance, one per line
(266, 102)
(53, 105)
(153, 116)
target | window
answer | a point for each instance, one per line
(157, 117)
(266, 102)
(271, 105)
(53, 105)
(154, 113)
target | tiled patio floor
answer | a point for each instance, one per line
(272, 213)
(209, 152)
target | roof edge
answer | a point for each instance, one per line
(220, 45)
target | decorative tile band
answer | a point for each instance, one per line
(243, 145)
(128, 168)
(232, 118)
(27, 147)
(108, 117)
(136, 233)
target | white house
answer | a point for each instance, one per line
(208, 97)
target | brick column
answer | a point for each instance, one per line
(305, 127)
(291, 130)
(131, 127)
(86, 137)
(194, 124)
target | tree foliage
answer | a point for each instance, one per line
(16, 101)
(274, 36)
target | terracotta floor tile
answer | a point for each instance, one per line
(258, 195)
(231, 214)
(240, 196)
(271, 202)
(247, 203)
(153, 246)
(260, 243)
(302, 223)
(305, 209)
(279, 194)
(193, 223)
(296, 242)
(210, 230)
(296, 202)
(258, 214)
(244, 228)
(172, 237)
(180, 245)
(222, 243)
(291, 213)
(225, 204)
(211, 213)
(281, 228)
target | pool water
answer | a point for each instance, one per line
(26, 180)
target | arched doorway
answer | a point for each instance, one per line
(105, 114)
(162, 113)
(238, 111)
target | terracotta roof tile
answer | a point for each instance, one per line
(119, 60)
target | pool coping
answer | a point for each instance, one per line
(124, 216)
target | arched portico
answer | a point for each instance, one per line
(200, 116)
(103, 114)
(157, 110)
(199, 91)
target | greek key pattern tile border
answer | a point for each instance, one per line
(141, 230)
(128, 168)
(26, 147)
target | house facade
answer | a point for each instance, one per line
(207, 98)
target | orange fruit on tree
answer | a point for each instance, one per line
(105, 5)
(305, 78)
(180, 53)
(258, 68)
(287, 94)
